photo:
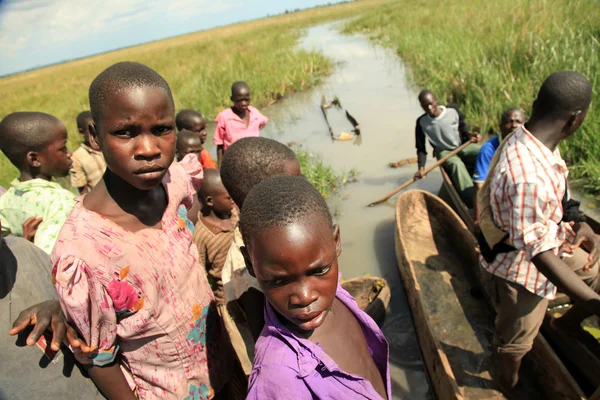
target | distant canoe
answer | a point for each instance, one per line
(439, 263)
(372, 294)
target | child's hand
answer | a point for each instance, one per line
(47, 316)
(30, 228)
(586, 236)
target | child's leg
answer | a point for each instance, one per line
(520, 314)
(461, 179)
(575, 316)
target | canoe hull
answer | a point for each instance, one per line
(372, 294)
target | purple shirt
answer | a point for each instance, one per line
(290, 367)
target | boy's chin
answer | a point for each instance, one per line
(309, 325)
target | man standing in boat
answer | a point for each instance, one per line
(533, 250)
(446, 129)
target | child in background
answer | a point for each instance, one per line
(311, 323)
(194, 121)
(189, 142)
(239, 121)
(126, 269)
(88, 163)
(35, 143)
(213, 237)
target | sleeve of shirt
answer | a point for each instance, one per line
(206, 160)
(53, 220)
(263, 120)
(219, 135)
(76, 174)
(482, 165)
(421, 145)
(89, 308)
(530, 229)
(276, 382)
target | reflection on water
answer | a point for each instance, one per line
(371, 84)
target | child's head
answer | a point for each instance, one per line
(188, 142)
(511, 120)
(134, 123)
(36, 143)
(292, 249)
(84, 120)
(429, 103)
(563, 99)
(240, 96)
(214, 196)
(192, 121)
(252, 160)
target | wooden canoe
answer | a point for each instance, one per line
(372, 294)
(582, 358)
(439, 262)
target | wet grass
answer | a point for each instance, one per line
(491, 55)
(199, 67)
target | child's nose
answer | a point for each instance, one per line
(147, 146)
(304, 296)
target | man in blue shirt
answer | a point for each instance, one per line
(511, 120)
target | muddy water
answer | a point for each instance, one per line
(370, 82)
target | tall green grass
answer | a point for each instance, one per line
(491, 55)
(199, 67)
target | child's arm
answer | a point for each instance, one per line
(111, 381)
(219, 137)
(220, 152)
(566, 280)
(277, 382)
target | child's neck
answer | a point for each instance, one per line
(27, 175)
(239, 113)
(127, 206)
(221, 221)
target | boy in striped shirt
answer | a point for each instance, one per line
(526, 192)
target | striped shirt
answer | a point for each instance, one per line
(526, 193)
(213, 245)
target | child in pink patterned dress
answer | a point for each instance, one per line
(126, 269)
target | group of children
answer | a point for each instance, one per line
(533, 238)
(160, 311)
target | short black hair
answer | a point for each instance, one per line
(511, 110)
(183, 136)
(185, 118)
(563, 92)
(423, 93)
(120, 77)
(84, 118)
(237, 86)
(25, 131)
(250, 161)
(281, 201)
(211, 179)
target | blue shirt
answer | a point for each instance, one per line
(484, 159)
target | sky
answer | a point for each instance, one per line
(34, 33)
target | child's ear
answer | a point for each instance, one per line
(337, 240)
(209, 201)
(94, 142)
(244, 251)
(33, 159)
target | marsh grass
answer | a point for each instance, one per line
(491, 55)
(199, 67)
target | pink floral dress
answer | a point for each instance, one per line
(144, 295)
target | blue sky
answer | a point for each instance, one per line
(34, 33)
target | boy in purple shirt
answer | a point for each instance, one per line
(311, 323)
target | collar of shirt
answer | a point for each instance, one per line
(252, 114)
(34, 184)
(550, 159)
(310, 355)
(89, 149)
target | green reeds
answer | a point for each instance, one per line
(491, 55)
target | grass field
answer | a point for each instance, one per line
(200, 68)
(491, 55)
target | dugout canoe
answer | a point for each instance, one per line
(439, 263)
(582, 357)
(372, 294)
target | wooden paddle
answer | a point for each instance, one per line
(428, 170)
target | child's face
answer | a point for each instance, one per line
(297, 269)
(137, 135)
(189, 147)
(55, 160)
(429, 104)
(84, 131)
(220, 201)
(241, 99)
(199, 126)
